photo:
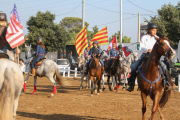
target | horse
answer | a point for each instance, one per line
(48, 68)
(126, 67)
(149, 77)
(95, 71)
(11, 83)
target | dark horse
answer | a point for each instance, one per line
(115, 71)
(95, 71)
(149, 77)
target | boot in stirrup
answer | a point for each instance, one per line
(33, 72)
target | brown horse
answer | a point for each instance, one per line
(95, 71)
(149, 77)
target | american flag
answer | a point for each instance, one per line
(14, 33)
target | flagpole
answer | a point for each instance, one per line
(121, 22)
(83, 12)
(17, 56)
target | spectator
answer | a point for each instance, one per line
(22, 66)
(73, 63)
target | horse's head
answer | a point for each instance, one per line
(96, 60)
(81, 61)
(135, 57)
(121, 60)
(28, 51)
(164, 48)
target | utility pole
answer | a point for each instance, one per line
(139, 27)
(121, 22)
(83, 13)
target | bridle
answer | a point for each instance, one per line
(163, 48)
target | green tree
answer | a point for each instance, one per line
(168, 21)
(42, 25)
(125, 39)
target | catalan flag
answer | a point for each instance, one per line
(101, 37)
(81, 41)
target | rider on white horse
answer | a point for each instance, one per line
(3, 29)
(40, 53)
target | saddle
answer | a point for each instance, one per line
(3, 55)
(39, 62)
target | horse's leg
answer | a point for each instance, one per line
(54, 82)
(81, 86)
(160, 112)
(27, 77)
(87, 82)
(155, 104)
(35, 79)
(126, 80)
(92, 89)
(99, 83)
(109, 83)
(95, 90)
(117, 86)
(103, 83)
(144, 99)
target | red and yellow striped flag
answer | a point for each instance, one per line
(101, 37)
(81, 41)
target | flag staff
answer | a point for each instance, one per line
(121, 22)
(83, 12)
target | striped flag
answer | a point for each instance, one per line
(81, 41)
(101, 37)
(14, 33)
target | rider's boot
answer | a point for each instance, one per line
(33, 72)
(102, 69)
(131, 82)
(167, 83)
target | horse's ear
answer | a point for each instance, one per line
(157, 38)
(25, 45)
(164, 37)
(30, 45)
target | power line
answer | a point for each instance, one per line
(69, 11)
(140, 7)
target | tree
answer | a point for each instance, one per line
(168, 21)
(125, 39)
(42, 25)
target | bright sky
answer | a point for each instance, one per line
(97, 12)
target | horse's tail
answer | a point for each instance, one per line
(59, 79)
(7, 92)
(166, 94)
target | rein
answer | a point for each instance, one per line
(150, 81)
(163, 48)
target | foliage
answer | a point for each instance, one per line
(125, 39)
(42, 25)
(168, 21)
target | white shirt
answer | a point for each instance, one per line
(22, 67)
(147, 42)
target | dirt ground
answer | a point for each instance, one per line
(70, 103)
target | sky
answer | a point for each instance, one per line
(97, 12)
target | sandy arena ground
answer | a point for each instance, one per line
(70, 103)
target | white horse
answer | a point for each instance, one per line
(11, 83)
(48, 68)
(126, 68)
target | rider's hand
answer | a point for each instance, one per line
(99, 55)
(149, 50)
(17, 50)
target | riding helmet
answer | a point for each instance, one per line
(39, 39)
(96, 42)
(152, 26)
(3, 16)
(119, 46)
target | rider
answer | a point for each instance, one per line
(113, 55)
(40, 52)
(96, 51)
(3, 29)
(120, 51)
(146, 45)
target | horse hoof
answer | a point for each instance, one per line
(34, 93)
(91, 95)
(100, 91)
(97, 93)
(123, 88)
(52, 95)
(81, 87)
(86, 87)
(103, 89)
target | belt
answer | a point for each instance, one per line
(112, 57)
(40, 54)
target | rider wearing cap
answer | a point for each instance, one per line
(120, 51)
(146, 45)
(113, 55)
(96, 51)
(3, 29)
(40, 53)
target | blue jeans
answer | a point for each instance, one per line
(35, 60)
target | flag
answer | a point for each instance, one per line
(114, 40)
(14, 33)
(81, 41)
(101, 37)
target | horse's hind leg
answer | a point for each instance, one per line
(103, 83)
(109, 83)
(144, 99)
(160, 112)
(82, 77)
(92, 89)
(155, 105)
(99, 83)
(51, 78)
